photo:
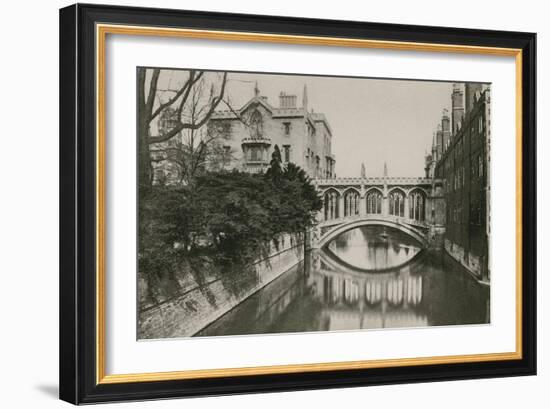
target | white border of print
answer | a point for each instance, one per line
(124, 354)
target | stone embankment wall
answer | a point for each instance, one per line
(473, 263)
(200, 305)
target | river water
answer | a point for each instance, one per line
(369, 277)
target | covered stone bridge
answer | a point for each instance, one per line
(412, 205)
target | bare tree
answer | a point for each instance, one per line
(197, 149)
(195, 152)
(190, 105)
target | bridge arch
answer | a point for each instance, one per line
(331, 203)
(379, 189)
(419, 188)
(417, 204)
(352, 201)
(331, 188)
(396, 201)
(373, 201)
(397, 188)
(356, 190)
(412, 231)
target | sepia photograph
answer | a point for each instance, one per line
(289, 203)
(258, 203)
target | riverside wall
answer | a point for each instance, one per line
(476, 265)
(201, 304)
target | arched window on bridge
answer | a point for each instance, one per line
(351, 203)
(397, 203)
(417, 205)
(331, 204)
(374, 202)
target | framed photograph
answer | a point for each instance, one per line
(258, 203)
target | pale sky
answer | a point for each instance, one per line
(373, 120)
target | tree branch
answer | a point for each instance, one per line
(186, 87)
(168, 135)
(236, 113)
(213, 106)
(194, 125)
(186, 96)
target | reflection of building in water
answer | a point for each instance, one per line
(395, 290)
(383, 255)
(354, 300)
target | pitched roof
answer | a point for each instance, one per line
(312, 117)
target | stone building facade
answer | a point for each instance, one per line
(251, 133)
(463, 165)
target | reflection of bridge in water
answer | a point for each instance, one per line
(321, 294)
(408, 204)
(356, 300)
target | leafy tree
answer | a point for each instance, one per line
(155, 246)
(309, 193)
(236, 212)
(224, 219)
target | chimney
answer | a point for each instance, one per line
(471, 88)
(287, 101)
(457, 101)
(304, 98)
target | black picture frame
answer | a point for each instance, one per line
(78, 308)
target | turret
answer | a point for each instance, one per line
(471, 89)
(439, 141)
(445, 129)
(457, 101)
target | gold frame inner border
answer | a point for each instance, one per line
(102, 30)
